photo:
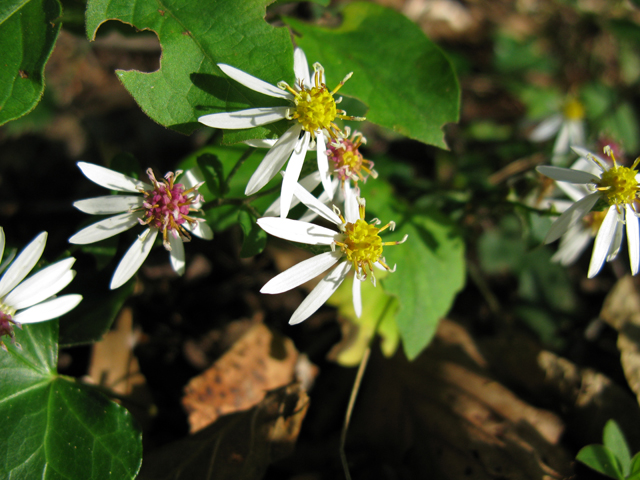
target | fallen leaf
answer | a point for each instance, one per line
(238, 446)
(258, 362)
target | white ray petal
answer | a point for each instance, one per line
(296, 231)
(2, 242)
(321, 293)
(201, 230)
(323, 164)
(572, 244)
(301, 67)
(316, 206)
(42, 285)
(109, 204)
(292, 173)
(274, 160)
(603, 242)
(576, 133)
(49, 309)
(570, 216)
(133, 259)
(616, 242)
(357, 296)
(176, 255)
(261, 143)
(567, 174)
(546, 129)
(111, 179)
(191, 178)
(574, 192)
(589, 156)
(633, 239)
(252, 117)
(301, 273)
(310, 182)
(23, 264)
(561, 144)
(254, 83)
(106, 228)
(351, 206)
(323, 199)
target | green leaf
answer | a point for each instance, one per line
(54, 427)
(28, 32)
(430, 271)
(213, 172)
(255, 239)
(195, 36)
(634, 471)
(404, 78)
(613, 439)
(601, 459)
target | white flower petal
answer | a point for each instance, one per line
(301, 273)
(572, 244)
(106, 228)
(292, 173)
(603, 242)
(323, 199)
(357, 296)
(315, 205)
(323, 164)
(261, 143)
(570, 216)
(201, 230)
(297, 231)
(301, 67)
(176, 254)
(109, 204)
(351, 206)
(633, 238)
(561, 145)
(589, 157)
(309, 183)
(254, 83)
(53, 308)
(616, 242)
(191, 178)
(574, 192)
(546, 129)
(567, 174)
(274, 160)
(2, 242)
(42, 285)
(111, 179)
(23, 264)
(321, 293)
(252, 117)
(133, 259)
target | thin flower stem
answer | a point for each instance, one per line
(239, 163)
(355, 390)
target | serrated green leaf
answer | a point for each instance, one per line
(255, 239)
(28, 32)
(601, 459)
(430, 272)
(613, 439)
(194, 38)
(404, 78)
(55, 428)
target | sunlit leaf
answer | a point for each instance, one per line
(601, 459)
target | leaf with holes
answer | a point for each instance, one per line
(404, 78)
(54, 427)
(195, 36)
(28, 32)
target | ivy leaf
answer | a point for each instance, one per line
(28, 32)
(54, 427)
(430, 271)
(195, 36)
(404, 78)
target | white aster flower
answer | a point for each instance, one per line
(615, 188)
(33, 300)
(313, 112)
(356, 245)
(163, 206)
(569, 127)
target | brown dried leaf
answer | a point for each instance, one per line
(258, 362)
(621, 310)
(444, 415)
(239, 446)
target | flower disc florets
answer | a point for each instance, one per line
(618, 184)
(362, 245)
(168, 205)
(315, 107)
(346, 160)
(573, 110)
(6, 326)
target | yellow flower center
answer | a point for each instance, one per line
(573, 110)
(315, 107)
(618, 185)
(362, 245)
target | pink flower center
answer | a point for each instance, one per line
(168, 206)
(347, 161)
(6, 328)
